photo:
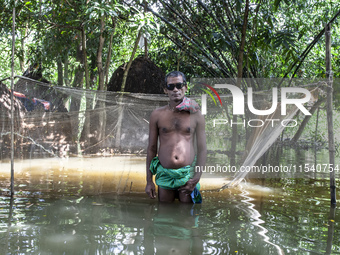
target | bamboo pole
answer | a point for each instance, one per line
(330, 232)
(12, 105)
(331, 146)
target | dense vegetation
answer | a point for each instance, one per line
(80, 43)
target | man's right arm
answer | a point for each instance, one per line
(150, 188)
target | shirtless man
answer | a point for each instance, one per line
(177, 131)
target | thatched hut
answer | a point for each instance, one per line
(144, 77)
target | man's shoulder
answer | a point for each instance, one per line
(158, 112)
(198, 117)
(197, 114)
(160, 109)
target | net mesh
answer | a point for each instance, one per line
(60, 121)
(255, 133)
(53, 121)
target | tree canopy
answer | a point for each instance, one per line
(80, 43)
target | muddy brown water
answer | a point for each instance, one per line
(83, 206)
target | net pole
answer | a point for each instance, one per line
(12, 104)
(331, 145)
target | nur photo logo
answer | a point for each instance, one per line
(277, 102)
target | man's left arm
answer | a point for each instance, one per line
(201, 154)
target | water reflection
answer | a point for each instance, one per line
(84, 211)
(331, 226)
(258, 222)
(297, 218)
(174, 230)
(98, 225)
(253, 220)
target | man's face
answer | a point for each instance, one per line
(175, 94)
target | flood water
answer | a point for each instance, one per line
(83, 207)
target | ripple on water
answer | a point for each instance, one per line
(88, 214)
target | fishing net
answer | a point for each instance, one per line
(53, 121)
(62, 121)
(256, 133)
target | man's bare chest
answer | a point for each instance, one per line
(182, 123)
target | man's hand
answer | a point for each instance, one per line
(189, 187)
(150, 189)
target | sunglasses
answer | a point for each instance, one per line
(173, 85)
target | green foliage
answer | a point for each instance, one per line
(200, 38)
(277, 34)
(316, 129)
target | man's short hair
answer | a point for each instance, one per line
(175, 74)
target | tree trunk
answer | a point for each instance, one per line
(238, 83)
(22, 59)
(86, 130)
(103, 116)
(87, 76)
(316, 125)
(66, 80)
(145, 39)
(306, 119)
(126, 71)
(101, 84)
(331, 146)
(107, 64)
(78, 80)
(60, 73)
(101, 73)
(121, 108)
